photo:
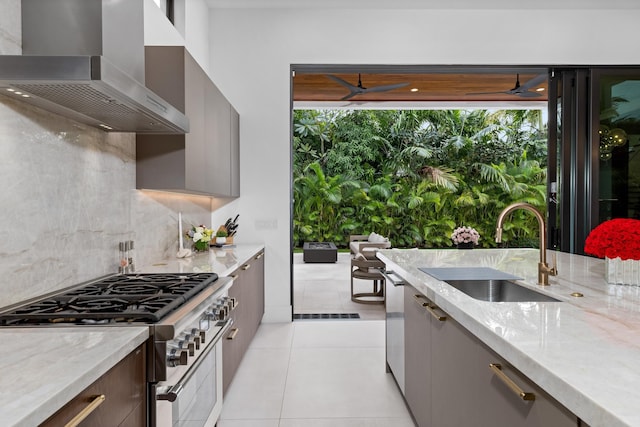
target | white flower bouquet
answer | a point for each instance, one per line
(465, 235)
(201, 236)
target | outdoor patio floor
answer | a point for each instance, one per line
(324, 288)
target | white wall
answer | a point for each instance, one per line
(252, 49)
(68, 196)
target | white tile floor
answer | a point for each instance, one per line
(326, 288)
(315, 373)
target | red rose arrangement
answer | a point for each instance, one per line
(615, 238)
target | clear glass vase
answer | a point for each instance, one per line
(622, 272)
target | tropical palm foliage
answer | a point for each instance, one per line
(416, 175)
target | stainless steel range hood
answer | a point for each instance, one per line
(84, 59)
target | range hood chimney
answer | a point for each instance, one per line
(84, 59)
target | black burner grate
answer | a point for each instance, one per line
(122, 298)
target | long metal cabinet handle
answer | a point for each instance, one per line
(420, 300)
(389, 276)
(246, 266)
(432, 311)
(233, 333)
(428, 306)
(497, 369)
(92, 406)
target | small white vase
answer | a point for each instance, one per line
(221, 240)
(622, 272)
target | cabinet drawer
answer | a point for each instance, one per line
(124, 389)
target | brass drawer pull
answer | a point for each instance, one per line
(234, 276)
(260, 255)
(497, 369)
(233, 333)
(246, 267)
(432, 310)
(424, 302)
(97, 401)
(420, 300)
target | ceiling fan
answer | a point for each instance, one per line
(520, 90)
(360, 90)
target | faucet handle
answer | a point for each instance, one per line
(554, 269)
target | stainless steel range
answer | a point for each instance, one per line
(187, 315)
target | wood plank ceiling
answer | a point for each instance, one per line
(421, 87)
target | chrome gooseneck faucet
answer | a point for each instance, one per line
(544, 271)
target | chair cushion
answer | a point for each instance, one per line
(368, 249)
(377, 238)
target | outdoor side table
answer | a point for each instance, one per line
(319, 252)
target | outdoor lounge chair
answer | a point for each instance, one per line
(365, 266)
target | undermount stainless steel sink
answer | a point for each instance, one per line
(499, 291)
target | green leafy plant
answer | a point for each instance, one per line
(415, 175)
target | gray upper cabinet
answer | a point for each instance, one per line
(207, 159)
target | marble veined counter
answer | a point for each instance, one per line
(584, 351)
(41, 369)
(222, 261)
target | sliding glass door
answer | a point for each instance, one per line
(594, 138)
(617, 122)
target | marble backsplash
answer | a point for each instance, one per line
(68, 197)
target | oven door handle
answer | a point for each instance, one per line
(392, 278)
(171, 393)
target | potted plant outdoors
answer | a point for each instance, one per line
(221, 237)
(465, 237)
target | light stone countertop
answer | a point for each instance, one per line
(585, 352)
(222, 261)
(43, 368)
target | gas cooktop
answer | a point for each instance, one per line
(122, 298)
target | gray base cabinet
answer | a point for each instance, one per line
(124, 388)
(449, 382)
(248, 289)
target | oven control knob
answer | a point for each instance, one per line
(213, 313)
(198, 336)
(176, 357)
(192, 341)
(203, 336)
(184, 344)
(223, 311)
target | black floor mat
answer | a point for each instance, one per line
(313, 316)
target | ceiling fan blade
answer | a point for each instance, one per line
(342, 82)
(351, 95)
(385, 88)
(488, 93)
(532, 83)
(527, 94)
(519, 90)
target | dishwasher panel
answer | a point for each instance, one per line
(395, 326)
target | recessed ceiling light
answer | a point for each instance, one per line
(415, 89)
(17, 93)
(105, 126)
(540, 89)
(10, 89)
(24, 95)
